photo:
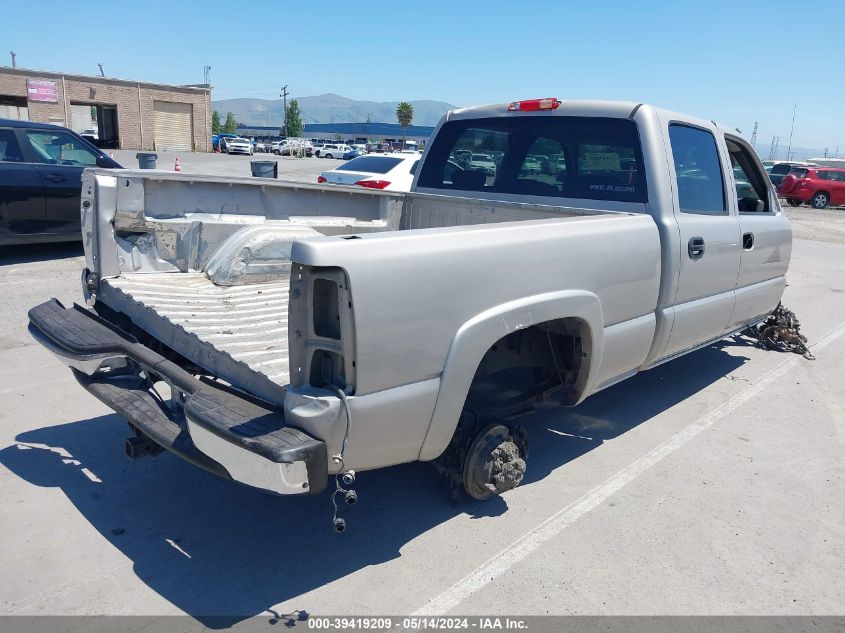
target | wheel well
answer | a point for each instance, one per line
(524, 366)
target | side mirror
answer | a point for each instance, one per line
(105, 161)
(751, 204)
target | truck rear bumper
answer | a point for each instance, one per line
(228, 433)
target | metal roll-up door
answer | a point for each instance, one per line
(173, 126)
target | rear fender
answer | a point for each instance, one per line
(480, 333)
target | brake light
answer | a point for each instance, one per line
(322, 179)
(373, 184)
(532, 105)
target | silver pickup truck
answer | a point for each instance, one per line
(278, 333)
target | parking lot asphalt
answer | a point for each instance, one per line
(290, 168)
(713, 484)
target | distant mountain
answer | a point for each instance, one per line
(328, 108)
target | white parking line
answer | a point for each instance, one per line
(554, 525)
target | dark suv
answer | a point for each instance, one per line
(780, 170)
(41, 181)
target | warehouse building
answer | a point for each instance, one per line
(117, 113)
(350, 132)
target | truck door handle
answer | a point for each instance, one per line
(695, 247)
(55, 178)
(747, 241)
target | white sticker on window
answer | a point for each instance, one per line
(600, 161)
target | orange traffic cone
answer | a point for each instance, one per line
(177, 167)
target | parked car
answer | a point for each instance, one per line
(818, 186)
(239, 146)
(482, 162)
(391, 172)
(778, 171)
(352, 153)
(332, 150)
(378, 148)
(218, 141)
(363, 328)
(292, 147)
(531, 166)
(40, 181)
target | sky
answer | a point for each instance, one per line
(733, 62)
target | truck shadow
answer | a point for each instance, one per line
(222, 552)
(10, 255)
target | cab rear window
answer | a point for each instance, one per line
(594, 158)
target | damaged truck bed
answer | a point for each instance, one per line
(238, 333)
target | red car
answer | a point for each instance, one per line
(819, 186)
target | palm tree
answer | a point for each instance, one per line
(404, 114)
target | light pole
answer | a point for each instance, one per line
(792, 129)
(284, 97)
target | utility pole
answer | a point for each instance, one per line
(754, 137)
(789, 151)
(825, 152)
(14, 55)
(284, 97)
(102, 74)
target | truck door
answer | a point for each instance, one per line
(766, 238)
(710, 239)
(21, 193)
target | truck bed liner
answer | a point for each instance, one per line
(236, 332)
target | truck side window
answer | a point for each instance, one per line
(697, 170)
(752, 194)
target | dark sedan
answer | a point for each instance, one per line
(41, 181)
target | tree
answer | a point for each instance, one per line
(230, 125)
(404, 114)
(215, 122)
(293, 122)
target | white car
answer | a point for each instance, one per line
(333, 150)
(239, 146)
(482, 162)
(391, 172)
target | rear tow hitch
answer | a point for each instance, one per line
(140, 445)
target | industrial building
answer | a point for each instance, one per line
(352, 132)
(117, 113)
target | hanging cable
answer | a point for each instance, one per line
(345, 476)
